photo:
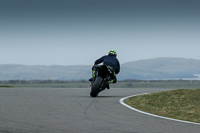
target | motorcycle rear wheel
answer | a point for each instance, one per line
(96, 87)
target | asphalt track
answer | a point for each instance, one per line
(63, 110)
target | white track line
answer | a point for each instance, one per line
(122, 102)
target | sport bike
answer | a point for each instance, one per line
(101, 76)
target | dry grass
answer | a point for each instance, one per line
(183, 104)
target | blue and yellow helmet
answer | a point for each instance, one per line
(112, 53)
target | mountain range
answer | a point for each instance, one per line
(158, 68)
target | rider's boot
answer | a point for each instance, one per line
(109, 82)
(91, 79)
(93, 75)
(107, 85)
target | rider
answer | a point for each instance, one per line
(112, 62)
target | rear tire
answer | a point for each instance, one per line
(96, 87)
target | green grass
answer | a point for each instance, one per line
(180, 104)
(170, 84)
(5, 86)
(52, 85)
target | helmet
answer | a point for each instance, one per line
(112, 53)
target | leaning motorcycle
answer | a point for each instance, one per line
(101, 76)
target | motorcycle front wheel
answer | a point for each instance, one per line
(96, 87)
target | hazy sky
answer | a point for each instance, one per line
(77, 32)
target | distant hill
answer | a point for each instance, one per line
(159, 68)
(55, 72)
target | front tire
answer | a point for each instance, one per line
(96, 87)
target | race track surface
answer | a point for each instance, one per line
(64, 110)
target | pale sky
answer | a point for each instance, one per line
(77, 32)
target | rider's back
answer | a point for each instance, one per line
(111, 61)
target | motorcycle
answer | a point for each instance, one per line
(101, 76)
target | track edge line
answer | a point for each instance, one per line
(162, 117)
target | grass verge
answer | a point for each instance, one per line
(5, 86)
(173, 84)
(182, 104)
